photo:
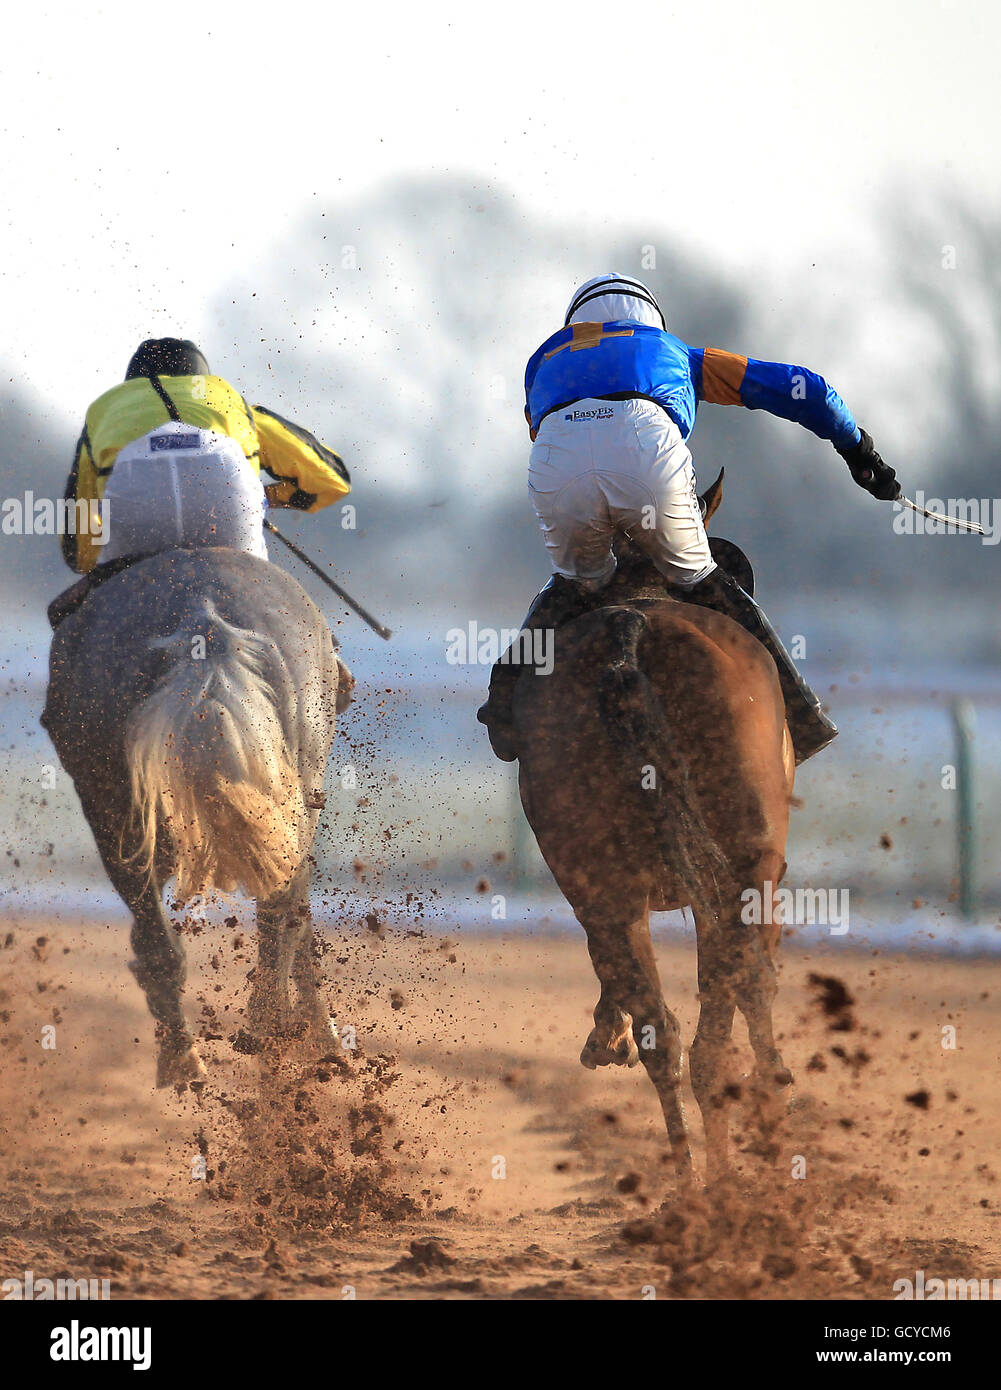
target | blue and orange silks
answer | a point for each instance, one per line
(623, 359)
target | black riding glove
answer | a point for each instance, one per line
(869, 470)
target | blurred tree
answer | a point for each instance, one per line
(397, 326)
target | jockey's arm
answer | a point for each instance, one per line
(309, 475)
(793, 393)
(81, 486)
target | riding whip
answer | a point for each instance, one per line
(958, 522)
(373, 623)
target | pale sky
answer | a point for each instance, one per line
(149, 152)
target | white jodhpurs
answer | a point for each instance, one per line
(181, 486)
(601, 467)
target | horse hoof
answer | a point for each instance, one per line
(610, 1046)
(175, 1067)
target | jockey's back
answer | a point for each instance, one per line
(134, 408)
(151, 403)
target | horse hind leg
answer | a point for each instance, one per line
(737, 970)
(717, 1005)
(312, 1011)
(623, 959)
(159, 969)
(282, 924)
(159, 965)
(756, 989)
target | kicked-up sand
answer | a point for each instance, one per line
(459, 1151)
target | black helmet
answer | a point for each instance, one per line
(167, 357)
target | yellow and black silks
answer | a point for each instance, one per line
(309, 475)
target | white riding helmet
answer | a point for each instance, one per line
(610, 297)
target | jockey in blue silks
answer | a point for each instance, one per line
(610, 402)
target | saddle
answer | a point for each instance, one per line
(731, 558)
(635, 569)
(728, 556)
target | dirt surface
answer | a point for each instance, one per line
(460, 1150)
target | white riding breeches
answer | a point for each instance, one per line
(600, 467)
(181, 486)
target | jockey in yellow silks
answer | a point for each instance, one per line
(173, 456)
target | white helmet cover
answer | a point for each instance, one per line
(607, 298)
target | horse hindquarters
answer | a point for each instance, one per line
(608, 796)
(666, 784)
(208, 762)
(228, 748)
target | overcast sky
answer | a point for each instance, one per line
(149, 153)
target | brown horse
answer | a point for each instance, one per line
(656, 773)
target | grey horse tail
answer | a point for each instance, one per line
(209, 764)
(639, 730)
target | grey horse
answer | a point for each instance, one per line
(192, 698)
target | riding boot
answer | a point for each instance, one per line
(73, 598)
(69, 600)
(557, 602)
(809, 726)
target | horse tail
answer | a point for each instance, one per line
(209, 763)
(638, 729)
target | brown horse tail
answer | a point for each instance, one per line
(209, 763)
(638, 728)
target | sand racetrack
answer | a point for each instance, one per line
(462, 1151)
